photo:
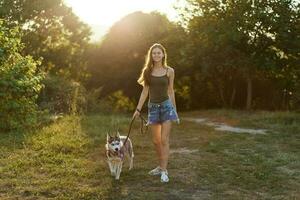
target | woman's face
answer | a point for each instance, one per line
(157, 54)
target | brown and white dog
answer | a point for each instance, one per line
(116, 152)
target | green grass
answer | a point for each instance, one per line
(66, 160)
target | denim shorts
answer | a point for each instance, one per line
(160, 112)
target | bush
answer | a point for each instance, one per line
(20, 83)
(96, 104)
(61, 95)
(120, 102)
(115, 102)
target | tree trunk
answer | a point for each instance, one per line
(249, 93)
(232, 96)
(283, 99)
(221, 93)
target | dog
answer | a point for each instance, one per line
(116, 152)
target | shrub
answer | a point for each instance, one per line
(20, 82)
(120, 102)
(61, 95)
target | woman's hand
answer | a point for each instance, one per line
(178, 120)
(136, 114)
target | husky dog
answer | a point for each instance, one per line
(116, 152)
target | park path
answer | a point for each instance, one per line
(224, 127)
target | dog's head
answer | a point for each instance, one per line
(114, 142)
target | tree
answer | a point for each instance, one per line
(51, 31)
(20, 82)
(118, 60)
(236, 38)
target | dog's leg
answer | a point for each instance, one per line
(131, 163)
(117, 172)
(119, 169)
(115, 168)
(130, 160)
(111, 167)
(131, 156)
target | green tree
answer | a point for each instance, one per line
(117, 61)
(20, 82)
(236, 38)
(51, 31)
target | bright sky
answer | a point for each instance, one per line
(101, 15)
(105, 13)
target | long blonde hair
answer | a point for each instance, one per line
(144, 78)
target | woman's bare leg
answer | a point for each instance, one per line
(165, 133)
(156, 139)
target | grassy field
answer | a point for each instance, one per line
(66, 160)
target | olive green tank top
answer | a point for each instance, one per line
(158, 88)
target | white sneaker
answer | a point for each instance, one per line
(155, 171)
(164, 176)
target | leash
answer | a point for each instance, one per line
(143, 124)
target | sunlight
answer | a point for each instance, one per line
(105, 13)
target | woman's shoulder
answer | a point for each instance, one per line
(170, 70)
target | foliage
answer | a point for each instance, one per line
(96, 104)
(51, 31)
(20, 82)
(117, 61)
(61, 95)
(120, 102)
(236, 43)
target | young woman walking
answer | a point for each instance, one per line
(157, 80)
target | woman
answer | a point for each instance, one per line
(157, 80)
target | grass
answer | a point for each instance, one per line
(66, 160)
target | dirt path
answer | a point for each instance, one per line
(225, 127)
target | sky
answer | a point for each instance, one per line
(101, 15)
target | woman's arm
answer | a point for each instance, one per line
(143, 97)
(170, 87)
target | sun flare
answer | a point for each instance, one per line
(105, 13)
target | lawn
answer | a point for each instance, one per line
(66, 159)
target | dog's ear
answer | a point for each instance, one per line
(108, 136)
(118, 134)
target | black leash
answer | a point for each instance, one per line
(143, 124)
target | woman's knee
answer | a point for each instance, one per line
(156, 141)
(164, 141)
